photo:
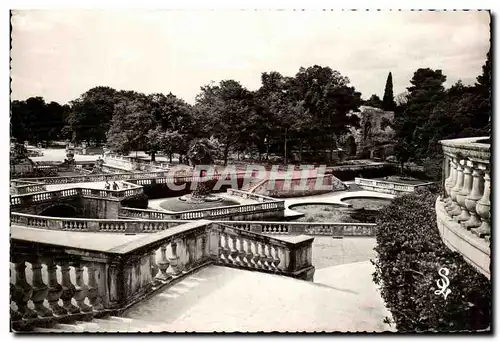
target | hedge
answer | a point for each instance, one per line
(410, 254)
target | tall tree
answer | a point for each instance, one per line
(425, 92)
(225, 108)
(36, 121)
(132, 121)
(388, 100)
(327, 97)
(91, 114)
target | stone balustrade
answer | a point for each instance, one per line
(243, 249)
(30, 198)
(250, 195)
(98, 177)
(294, 228)
(131, 163)
(146, 214)
(26, 187)
(92, 225)
(233, 210)
(387, 186)
(139, 178)
(51, 282)
(464, 208)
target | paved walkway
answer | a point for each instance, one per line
(59, 154)
(222, 299)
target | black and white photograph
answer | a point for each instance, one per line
(250, 171)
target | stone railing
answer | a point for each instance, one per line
(266, 204)
(140, 178)
(146, 214)
(464, 208)
(97, 177)
(20, 187)
(250, 195)
(243, 249)
(31, 198)
(335, 229)
(91, 225)
(65, 282)
(387, 186)
(131, 163)
(233, 210)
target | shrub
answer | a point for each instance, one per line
(410, 254)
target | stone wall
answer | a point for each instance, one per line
(100, 208)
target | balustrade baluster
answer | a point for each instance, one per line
(68, 289)
(277, 260)
(447, 174)
(92, 290)
(483, 208)
(163, 265)
(466, 190)
(454, 208)
(270, 258)
(55, 289)
(263, 257)
(80, 288)
(474, 196)
(235, 260)
(452, 183)
(22, 291)
(225, 250)
(173, 268)
(249, 254)
(40, 289)
(241, 252)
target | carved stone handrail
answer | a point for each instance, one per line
(38, 197)
(466, 196)
(266, 204)
(387, 186)
(140, 178)
(24, 187)
(308, 228)
(91, 225)
(119, 277)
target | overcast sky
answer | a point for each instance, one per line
(61, 54)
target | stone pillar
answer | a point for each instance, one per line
(483, 208)
(473, 197)
(466, 190)
(454, 208)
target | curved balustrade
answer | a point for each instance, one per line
(464, 208)
(72, 283)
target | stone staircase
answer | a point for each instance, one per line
(224, 299)
(253, 185)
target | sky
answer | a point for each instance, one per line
(60, 54)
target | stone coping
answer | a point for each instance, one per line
(104, 242)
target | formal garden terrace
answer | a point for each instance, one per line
(464, 208)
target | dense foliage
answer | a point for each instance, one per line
(410, 254)
(305, 113)
(428, 113)
(36, 121)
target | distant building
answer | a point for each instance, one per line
(373, 139)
